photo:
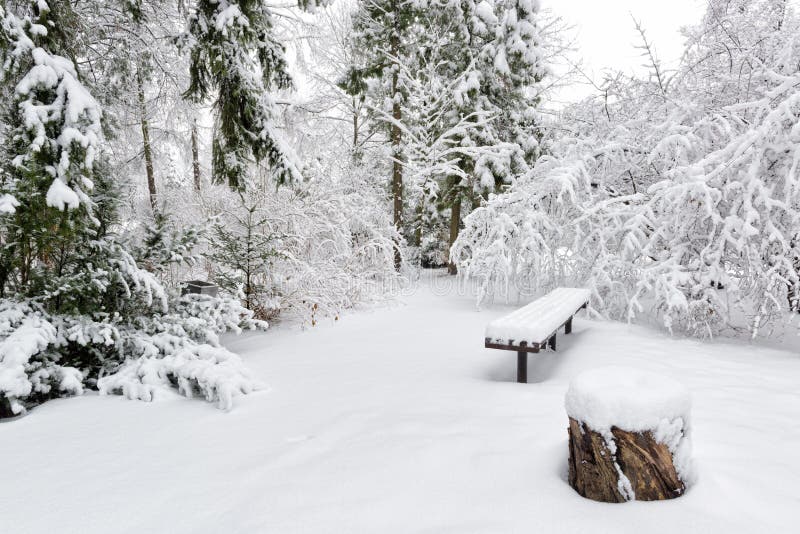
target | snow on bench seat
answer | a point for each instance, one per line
(535, 323)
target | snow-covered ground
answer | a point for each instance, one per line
(398, 420)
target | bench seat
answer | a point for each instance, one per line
(534, 327)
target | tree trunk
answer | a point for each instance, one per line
(641, 468)
(418, 222)
(195, 158)
(148, 149)
(793, 296)
(355, 126)
(396, 138)
(455, 221)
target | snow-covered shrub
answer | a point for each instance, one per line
(172, 356)
(29, 368)
(308, 250)
(719, 230)
(122, 319)
(339, 252)
(521, 242)
(674, 197)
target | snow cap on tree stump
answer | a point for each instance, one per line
(629, 435)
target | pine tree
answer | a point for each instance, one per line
(513, 89)
(53, 133)
(460, 91)
(381, 32)
(506, 69)
(164, 243)
(237, 59)
(76, 309)
(244, 248)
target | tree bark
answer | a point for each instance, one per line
(418, 222)
(597, 474)
(396, 138)
(355, 126)
(148, 149)
(196, 158)
(455, 221)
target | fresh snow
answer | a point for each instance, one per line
(8, 204)
(228, 17)
(535, 322)
(400, 421)
(61, 196)
(627, 398)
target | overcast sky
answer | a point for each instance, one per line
(607, 36)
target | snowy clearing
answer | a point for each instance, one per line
(398, 420)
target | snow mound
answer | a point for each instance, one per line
(626, 398)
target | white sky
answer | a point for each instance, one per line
(606, 35)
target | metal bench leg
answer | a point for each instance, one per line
(552, 342)
(522, 367)
(568, 326)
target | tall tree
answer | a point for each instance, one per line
(138, 74)
(506, 69)
(53, 140)
(381, 31)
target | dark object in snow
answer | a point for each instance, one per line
(639, 469)
(199, 287)
(5, 408)
(534, 327)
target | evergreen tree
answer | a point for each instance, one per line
(164, 243)
(53, 141)
(76, 309)
(506, 68)
(237, 59)
(244, 248)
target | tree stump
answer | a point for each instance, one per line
(628, 436)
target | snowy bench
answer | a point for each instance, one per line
(533, 327)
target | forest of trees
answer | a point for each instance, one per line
(307, 159)
(673, 197)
